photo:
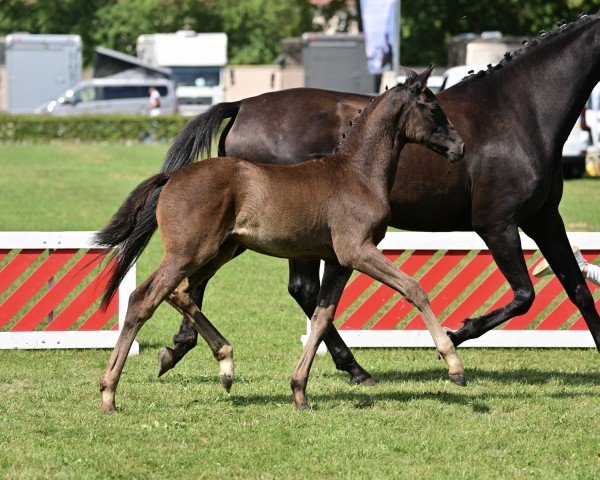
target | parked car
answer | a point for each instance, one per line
(112, 95)
(574, 149)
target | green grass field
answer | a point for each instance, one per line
(525, 414)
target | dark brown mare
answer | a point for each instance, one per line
(206, 211)
(514, 119)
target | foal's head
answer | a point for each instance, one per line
(422, 119)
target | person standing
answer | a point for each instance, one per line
(590, 271)
(154, 102)
(592, 115)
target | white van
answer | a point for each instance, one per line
(112, 95)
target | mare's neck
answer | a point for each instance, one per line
(547, 86)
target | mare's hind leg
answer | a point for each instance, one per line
(304, 287)
(187, 337)
(142, 304)
(551, 238)
(372, 262)
(505, 246)
(334, 280)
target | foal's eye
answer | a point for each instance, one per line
(434, 109)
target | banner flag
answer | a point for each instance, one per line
(380, 24)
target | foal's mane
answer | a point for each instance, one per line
(356, 121)
(530, 46)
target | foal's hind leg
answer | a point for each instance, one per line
(181, 299)
(334, 280)
(187, 337)
(142, 304)
(304, 287)
(372, 262)
(220, 347)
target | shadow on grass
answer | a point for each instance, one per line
(524, 376)
(363, 400)
(478, 403)
(528, 376)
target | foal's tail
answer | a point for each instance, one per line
(130, 229)
(196, 137)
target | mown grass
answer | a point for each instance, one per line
(525, 414)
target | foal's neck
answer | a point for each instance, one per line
(372, 145)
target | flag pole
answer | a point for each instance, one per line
(398, 33)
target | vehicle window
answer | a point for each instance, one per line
(196, 76)
(123, 91)
(131, 91)
(84, 94)
(87, 94)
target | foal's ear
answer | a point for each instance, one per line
(416, 83)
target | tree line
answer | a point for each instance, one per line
(256, 27)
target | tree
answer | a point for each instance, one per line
(427, 24)
(52, 16)
(256, 27)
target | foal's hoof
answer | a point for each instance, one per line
(165, 361)
(302, 406)
(226, 382)
(459, 379)
(109, 408)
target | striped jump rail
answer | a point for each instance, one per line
(459, 274)
(51, 284)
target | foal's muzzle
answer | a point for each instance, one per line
(456, 153)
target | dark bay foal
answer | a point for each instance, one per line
(206, 210)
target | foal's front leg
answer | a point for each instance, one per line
(304, 287)
(370, 261)
(334, 281)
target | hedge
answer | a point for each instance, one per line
(88, 128)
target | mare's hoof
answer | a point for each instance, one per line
(366, 381)
(226, 382)
(302, 406)
(459, 379)
(165, 361)
(359, 375)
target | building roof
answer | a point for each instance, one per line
(109, 63)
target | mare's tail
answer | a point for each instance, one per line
(130, 229)
(196, 137)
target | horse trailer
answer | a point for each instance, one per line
(40, 68)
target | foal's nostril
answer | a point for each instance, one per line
(457, 153)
